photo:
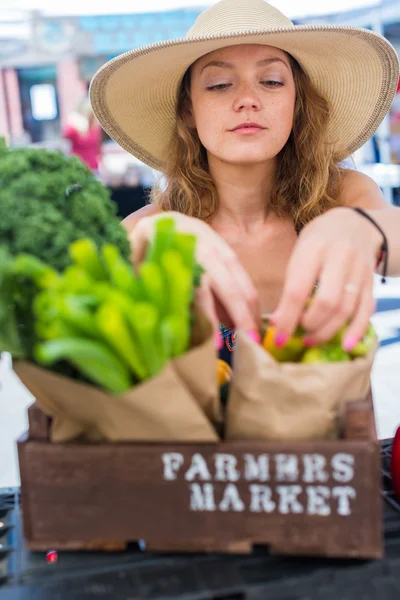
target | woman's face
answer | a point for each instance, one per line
(243, 103)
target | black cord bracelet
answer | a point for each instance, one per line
(384, 249)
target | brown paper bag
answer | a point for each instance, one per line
(180, 404)
(197, 369)
(290, 401)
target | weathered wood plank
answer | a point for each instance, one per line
(77, 545)
(39, 423)
(359, 420)
(318, 498)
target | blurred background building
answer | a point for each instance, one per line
(46, 67)
(47, 62)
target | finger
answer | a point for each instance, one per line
(333, 325)
(222, 315)
(234, 301)
(359, 324)
(333, 304)
(246, 284)
(231, 296)
(242, 279)
(205, 299)
(206, 302)
(301, 275)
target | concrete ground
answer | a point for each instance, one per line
(14, 398)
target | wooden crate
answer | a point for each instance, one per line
(319, 498)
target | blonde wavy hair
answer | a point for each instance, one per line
(308, 173)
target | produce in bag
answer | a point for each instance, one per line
(224, 372)
(143, 321)
(331, 351)
(99, 323)
(294, 392)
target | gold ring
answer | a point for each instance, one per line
(351, 288)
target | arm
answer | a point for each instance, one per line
(133, 219)
(359, 190)
(339, 249)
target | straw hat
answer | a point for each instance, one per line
(134, 95)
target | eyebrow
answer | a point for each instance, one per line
(260, 63)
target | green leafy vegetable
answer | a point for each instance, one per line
(49, 200)
(92, 358)
(97, 317)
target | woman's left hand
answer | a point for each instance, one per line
(339, 250)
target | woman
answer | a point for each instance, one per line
(265, 114)
(84, 134)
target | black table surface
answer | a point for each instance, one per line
(136, 575)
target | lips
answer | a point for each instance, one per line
(248, 125)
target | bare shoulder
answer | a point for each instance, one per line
(131, 221)
(357, 189)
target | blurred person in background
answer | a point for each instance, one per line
(85, 134)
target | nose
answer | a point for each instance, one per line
(247, 99)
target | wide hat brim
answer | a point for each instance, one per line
(134, 95)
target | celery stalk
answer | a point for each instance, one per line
(33, 268)
(85, 254)
(175, 334)
(153, 285)
(77, 311)
(162, 241)
(55, 329)
(113, 326)
(185, 245)
(45, 305)
(75, 280)
(179, 282)
(92, 358)
(121, 272)
(142, 318)
(144, 323)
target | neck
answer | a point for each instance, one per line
(244, 193)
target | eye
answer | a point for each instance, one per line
(270, 83)
(218, 86)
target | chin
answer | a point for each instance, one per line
(248, 158)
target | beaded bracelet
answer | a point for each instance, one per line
(384, 249)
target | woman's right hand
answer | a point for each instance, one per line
(227, 294)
